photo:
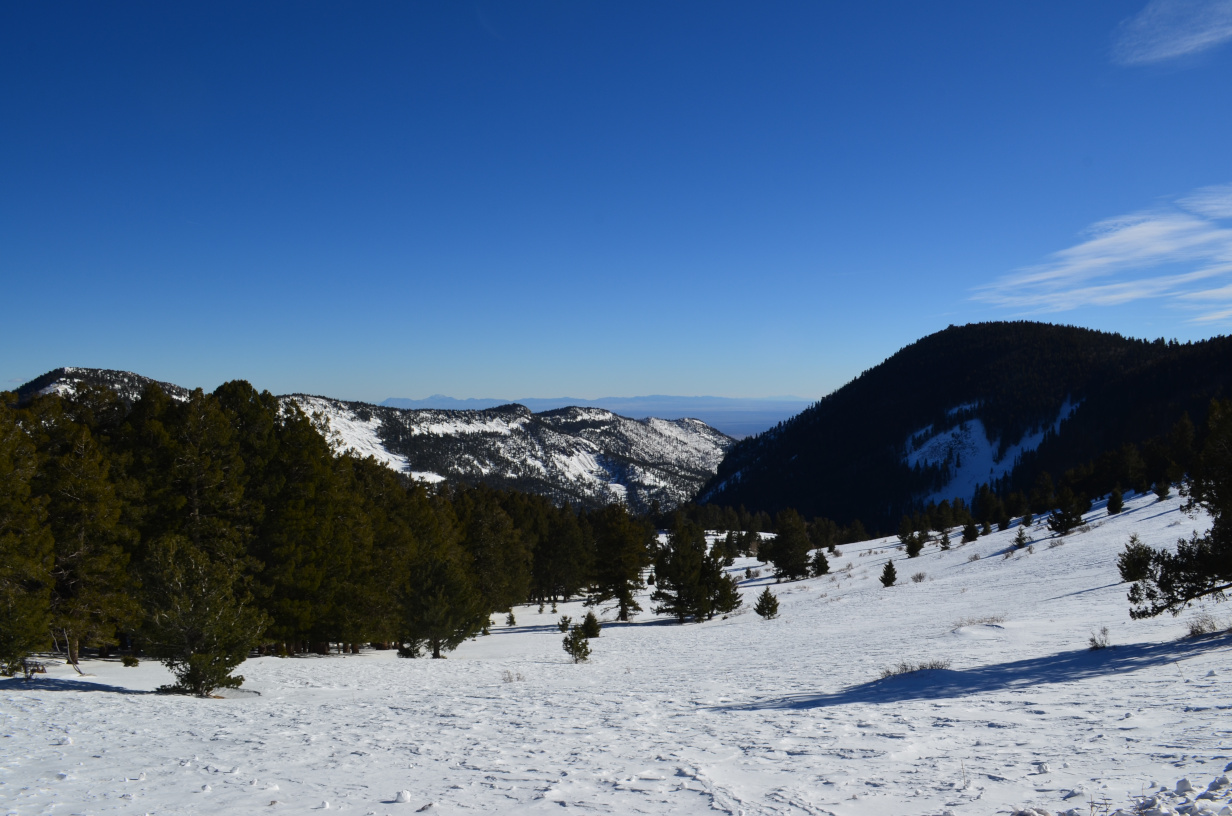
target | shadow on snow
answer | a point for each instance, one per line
(940, 684)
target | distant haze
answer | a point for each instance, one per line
(735, 416)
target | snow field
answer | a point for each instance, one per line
(737, 715)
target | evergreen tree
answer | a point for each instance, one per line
(440, 605)
(26, 547)
(1163, 489)
(198, 626)
(727, 597)
(790, 551)
(500, 559)
(1116, 503)
(767, 605)
(590, 625)
(823, 534)
(1068, 514)
(577, 645)
(970, 533)
(888, 575)
(91, 593)
(621, 553)
(1201, 566)
(819, 565)
(1020, 538)
(680, 573)
(200, 620)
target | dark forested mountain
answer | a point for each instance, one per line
(988, 403)
(584, 456)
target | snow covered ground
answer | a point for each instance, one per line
(740, 715)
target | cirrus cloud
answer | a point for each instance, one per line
(1167, 29)
(1180, 252)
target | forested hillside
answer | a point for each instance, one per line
(582, 456)
(1017, 399)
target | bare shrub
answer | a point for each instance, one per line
(512, 677)
(1204, 623)
(986, 619)
(973, 557)
(1008, 554)
(1059, 542)
(907, 667)
(1030, 549)
(1100, 639)
(918, 578)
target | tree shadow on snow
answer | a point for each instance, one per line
(940, 684)
(38, 683)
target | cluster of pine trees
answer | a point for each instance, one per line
(196, 531)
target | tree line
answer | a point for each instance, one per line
(196, 531)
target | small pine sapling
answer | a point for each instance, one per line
(767, 605)
(888, 575)
(1134, 562)
(510, 620)
(1028, 519)
(1116, 502)
(564, 623)
(577, 645)
(1021, 539)
(590, 625)
(1163, 489)
(970, 533)
(819, 565)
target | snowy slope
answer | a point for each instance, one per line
(738, 716)
(972, 458)
(586, 456)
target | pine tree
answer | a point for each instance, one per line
(790, 553)
(200, 621)
(621, 553)
(198, 626)
(819, 565)
(1116, 502)
(1068, 514)
(727, 597)
(25, 547)
(680, 580)
(1020, 538)
(970, 533)
(1201, 566)
(590, 625)
(767, 605)
(441, 608)
(500, 559)
(577, 645)
(91, 594)
(888, 575)
(1162, 489)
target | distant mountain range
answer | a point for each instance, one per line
(581, 455)
(988, 403)
(735, 416)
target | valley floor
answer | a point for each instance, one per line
(740, 715)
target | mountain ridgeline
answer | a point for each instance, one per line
(989, 403)
(587, 457)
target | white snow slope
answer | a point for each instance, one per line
(586, 456)
(971, 457)
(739, 716)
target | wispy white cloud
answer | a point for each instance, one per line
(1180, 252)
(1167, 29)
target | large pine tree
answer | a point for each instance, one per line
(622, 551)
(25, 547)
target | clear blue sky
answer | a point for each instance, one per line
(599, 198)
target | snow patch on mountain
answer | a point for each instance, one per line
(968, 452)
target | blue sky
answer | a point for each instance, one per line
(593, 199)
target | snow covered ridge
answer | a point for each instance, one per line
(786, 717)
(969, 455)
(66, 381)
(586, 456)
